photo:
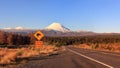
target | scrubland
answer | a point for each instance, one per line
(113, 47)
(10, 56)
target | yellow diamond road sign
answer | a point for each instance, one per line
(39, 35)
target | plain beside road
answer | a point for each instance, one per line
(75, 58)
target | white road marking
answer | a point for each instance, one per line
(91, 59)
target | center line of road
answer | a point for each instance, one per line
(90, 58)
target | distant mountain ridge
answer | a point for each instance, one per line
(55, 29)
(16, 28)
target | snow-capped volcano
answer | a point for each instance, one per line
(57, 27)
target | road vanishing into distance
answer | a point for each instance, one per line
(76, 58)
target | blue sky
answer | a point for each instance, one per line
(91, 15)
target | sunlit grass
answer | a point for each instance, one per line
(8, 56)
(113, 47)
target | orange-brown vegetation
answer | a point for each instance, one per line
(85, 46)
(8, 56)
(113, 47)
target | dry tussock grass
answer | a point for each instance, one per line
(8, 56)
(85, 46)
(109, 47)
(113, 47)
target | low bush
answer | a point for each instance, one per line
(8, 56)
(114, 47)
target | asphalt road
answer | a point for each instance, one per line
(76, 58)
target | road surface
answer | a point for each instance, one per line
(76, 58)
